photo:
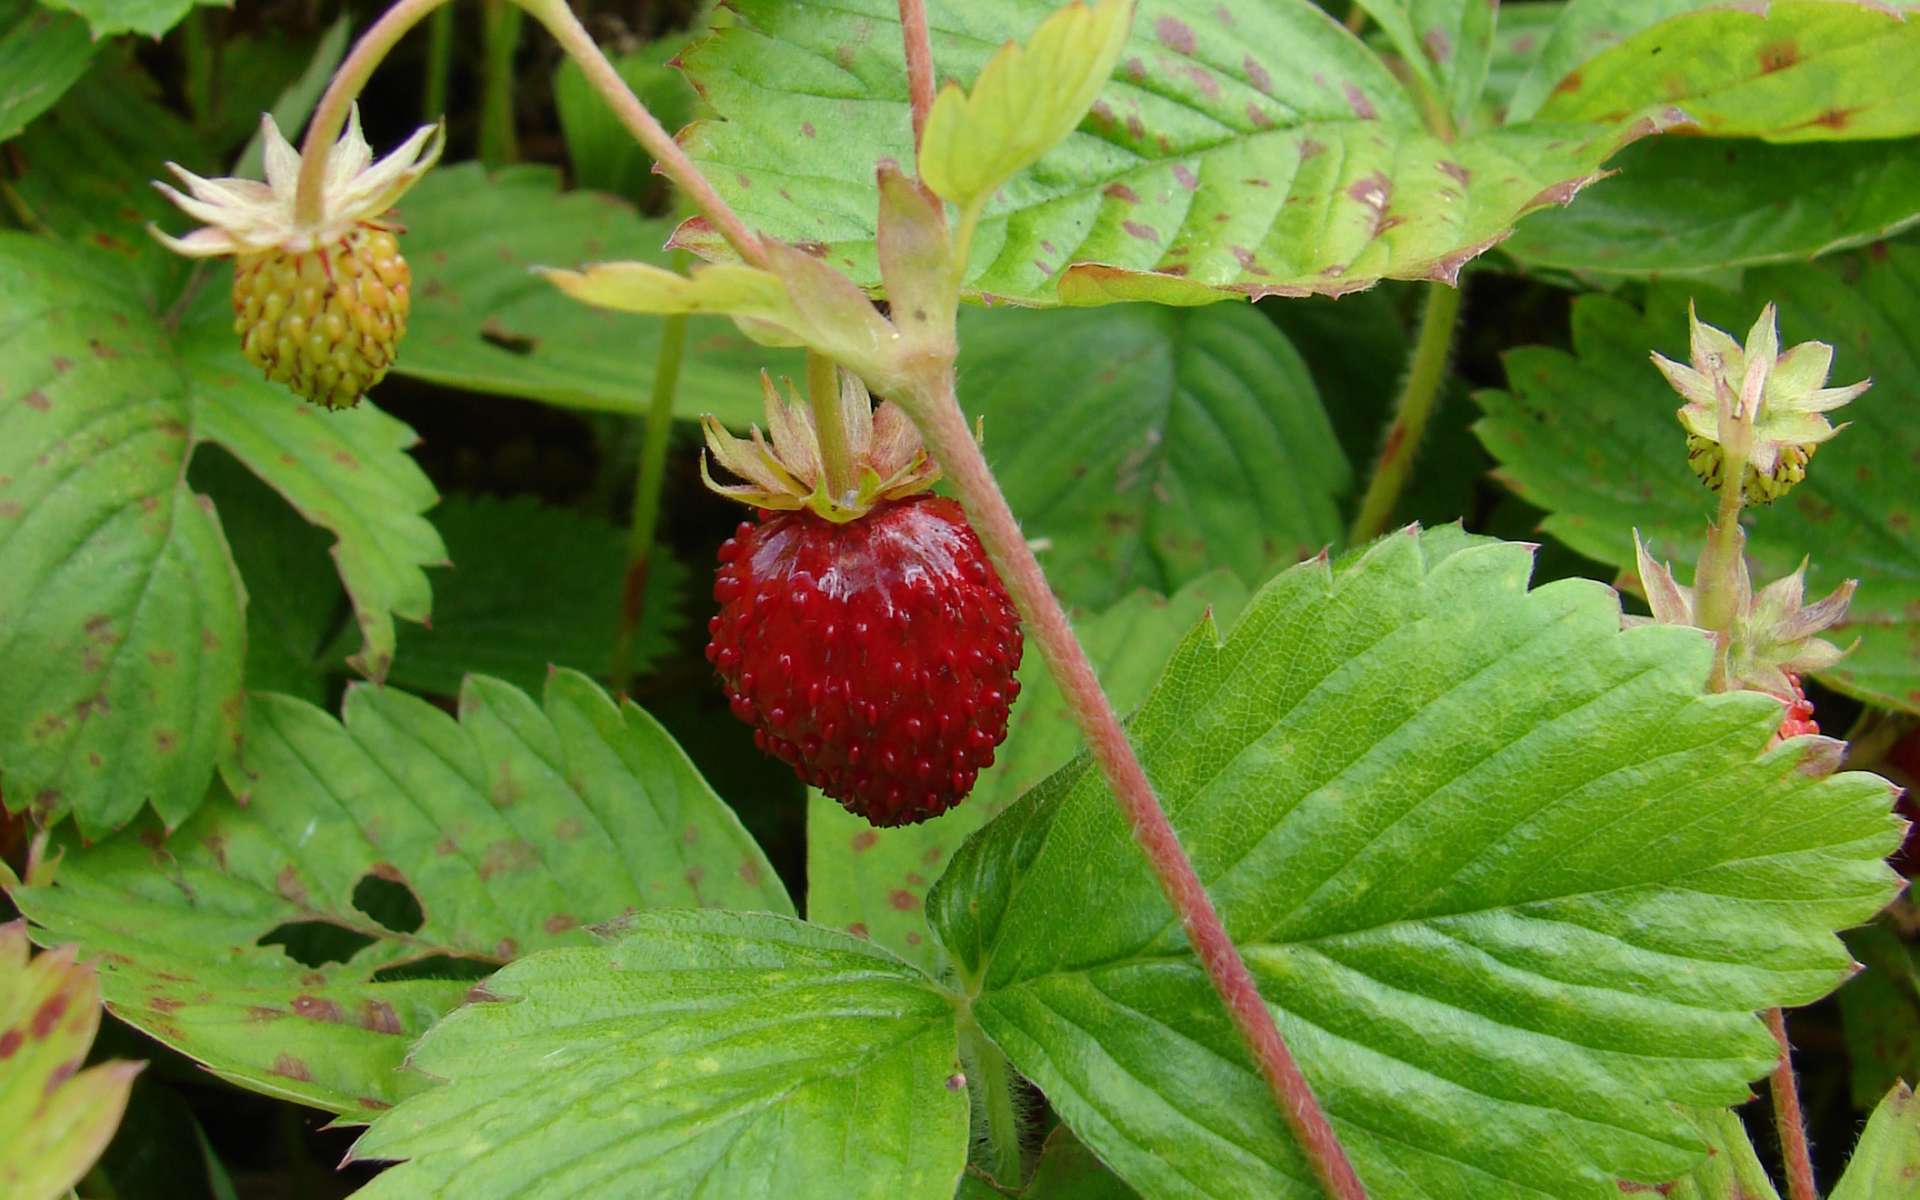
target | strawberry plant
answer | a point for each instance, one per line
(917, 600)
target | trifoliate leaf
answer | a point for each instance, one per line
(1029, 96)
(873, 882)
(1512, 884)
(1241, 148)
(1591, 437)
(296, 936)
(743, 1055)
(1886, 1159)
(58, 1118)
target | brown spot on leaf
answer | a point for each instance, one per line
(913, 939)
(48, 1014)
(317, 1008)
(1185, 177)
(506, 948)
(864, 840)
(166, 741)
(1778, 56)
(166, 1004)
(10, 1042)
(1257, 116)
(1174, 34)
(902, 899)
(1256, 74)
(1569, 84)
(509, 854)
(1310, 147)
(444, 847)
(567, 829)
(749, 872)
(1121, 192)
(858, 929)
(561, 922)
(932, 855)
(37, 400)
(265, 1012)
(288, 1067)
(378, 1016)
(288, 884)
(1358, 102)
(61, 365)
(806, 129)
(1145, 233)
(1455, 171)
(1438, 46)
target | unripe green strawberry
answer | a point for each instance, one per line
(324, 322)
(320, 294)
(1789, 468)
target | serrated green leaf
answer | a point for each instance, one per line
(512, 829)
(482, 320)
(150, 17)
(1447, 44)
(1032, 93)
(604, 155)
(1886, 1160)
(1170, 442)
(1242, 148)
(57, 1121)
(1519, 39)
(1731, 1170)
(498, 610)
(1880, 1014)
(121, 615)
(1690, 204)
(1796, 71)
(1591, 437)
(702, 1054)
(873, 882)
(347, 472)
(1579, 31)
(1512, 885)
(42, 54)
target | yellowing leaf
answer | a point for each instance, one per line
(56, 1122)
(1024, 103)
(727, 289)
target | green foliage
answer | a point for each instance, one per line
(1886, 1160)
(1431, 806)
(511, 831)
(57, 1121)
(1731, 1170)
(1169, 443)
(1241, 148)
(532, 587)
(1688, 204)
(743, 1055)
(604, 155)
(483, 321)
(1448, 47)
(873, 882)
(1797, 71)
(1880, 1014)
(120, 611)
(1591, 437)
(42, 54)
(150, 17)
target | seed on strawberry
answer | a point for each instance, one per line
(875, 656)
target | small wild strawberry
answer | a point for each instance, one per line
(865, 637)
(319, 305)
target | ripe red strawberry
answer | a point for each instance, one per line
(861, 632)
(876, 656)
(1799, 716)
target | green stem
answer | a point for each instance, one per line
(646, 493)
(331, 114)
(501, 39)
(992, 1079)
(433, 96)
(823, 398)
(1428, 369)
(1716, 579)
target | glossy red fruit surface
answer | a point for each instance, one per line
(876, 657)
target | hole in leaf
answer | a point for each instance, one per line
(317, 943)
(439, 966)
(390, 903)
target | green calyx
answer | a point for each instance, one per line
(785, 470)
(1754, 404)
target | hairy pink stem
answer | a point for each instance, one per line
(937, 412)
(913, 30)
(1787, 1120)
(673, 161)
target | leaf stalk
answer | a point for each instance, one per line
(919, 50)
(1426, 371)
(647, 489)
(936, 410)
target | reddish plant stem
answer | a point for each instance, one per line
(913, 31)
(1787, 1121)
(945, 429)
